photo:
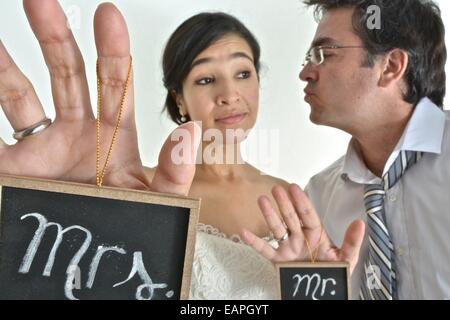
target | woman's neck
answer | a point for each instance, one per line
(221, 162)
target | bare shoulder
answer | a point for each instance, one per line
(274, 181)
(149, 172)
(268, 180)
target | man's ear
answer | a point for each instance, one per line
(394, 67)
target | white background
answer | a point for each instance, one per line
(284, 29)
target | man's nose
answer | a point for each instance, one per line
(308, 73)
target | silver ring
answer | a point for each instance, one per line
(284, 237)
(35, 128)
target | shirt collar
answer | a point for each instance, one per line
(424, 132)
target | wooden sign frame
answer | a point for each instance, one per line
(318, 265)
(123, 195)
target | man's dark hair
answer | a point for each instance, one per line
(412, 25)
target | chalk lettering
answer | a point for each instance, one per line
(318, 283)
(73, 271)
(139, 268)
(36, 241)
(96, 260)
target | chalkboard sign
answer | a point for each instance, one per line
(74, 241)
(313, 281)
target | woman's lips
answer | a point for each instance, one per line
(232, 119)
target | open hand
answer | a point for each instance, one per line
(302, 224)
(66, 149)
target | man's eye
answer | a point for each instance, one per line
(204, 81)
(244, 75)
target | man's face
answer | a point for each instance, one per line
(339, 90)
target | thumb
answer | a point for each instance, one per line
(352, 243)
(176, 163)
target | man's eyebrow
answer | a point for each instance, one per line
(323, 41)
(235, 55)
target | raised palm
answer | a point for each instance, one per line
(66, 150)
(304, 236)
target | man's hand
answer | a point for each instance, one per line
(66, 150)
(302, 221)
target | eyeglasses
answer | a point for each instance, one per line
(316, 56)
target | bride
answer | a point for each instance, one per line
(211, 73)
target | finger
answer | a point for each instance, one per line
(113, 50)
(272, 218)
(258, 244)
(287, 210)
(63, 59)
(17, 96)
(304, 208)
(176, 163)
(3, 145)
(129, 178)
(352, 243)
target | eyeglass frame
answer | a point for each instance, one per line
(322, 57)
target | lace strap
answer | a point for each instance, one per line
(209, 229)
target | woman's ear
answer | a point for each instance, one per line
(394, 67)
(174, 95)
(179, 101)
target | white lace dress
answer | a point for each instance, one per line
(226, 268)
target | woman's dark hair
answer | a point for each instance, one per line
(190, 39)
(412, 25)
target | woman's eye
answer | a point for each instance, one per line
(204, 81)
(244, 75)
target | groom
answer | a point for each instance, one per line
(383, 83)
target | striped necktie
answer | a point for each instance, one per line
(379, 280)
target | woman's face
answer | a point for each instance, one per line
(222, 88)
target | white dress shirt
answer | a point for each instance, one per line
(417, 207)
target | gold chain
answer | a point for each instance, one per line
(101, 174)
(311, 256)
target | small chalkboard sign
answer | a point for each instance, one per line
(73, 241)
(313, 281)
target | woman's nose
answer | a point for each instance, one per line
(228, 94)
